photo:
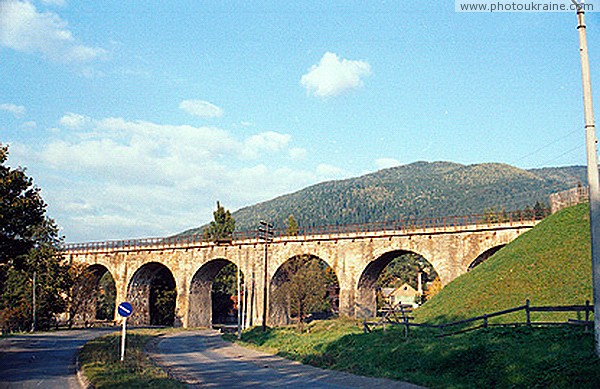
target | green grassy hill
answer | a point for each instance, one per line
(550, 265)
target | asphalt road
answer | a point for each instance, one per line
(43, 360)
(203, 359)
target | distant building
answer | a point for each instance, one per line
(404, 294)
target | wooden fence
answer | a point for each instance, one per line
(399, 315)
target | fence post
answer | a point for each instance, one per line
(587, 315)
(528, 312)
(485, 321)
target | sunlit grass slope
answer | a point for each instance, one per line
(550, 265)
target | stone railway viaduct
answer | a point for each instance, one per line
(357, 257)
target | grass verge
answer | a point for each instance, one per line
(495, 357)
(101, 364)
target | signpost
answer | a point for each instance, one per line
(125, 309)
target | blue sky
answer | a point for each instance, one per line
(136, 117)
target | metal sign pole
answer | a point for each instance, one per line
(124, 310)
(123, 339)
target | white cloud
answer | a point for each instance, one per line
(115, 178)
(384, 163)
(298, 153)
(327, 171)
(74, 121)
(201, 108)
(31, 125)
(23, 28)
(333, 75)
(17, 110)
(269, 141)
(60, 3)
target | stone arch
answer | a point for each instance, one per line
(200, 300)
(366, 296)
(484, 256)
(89, 293)
(150, 282)
(279, 311)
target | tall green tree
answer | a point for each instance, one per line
(28, 246)
(292, 226)
(222, 227)
(22, 213)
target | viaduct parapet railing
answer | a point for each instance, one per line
(406, 226)
(569, 197)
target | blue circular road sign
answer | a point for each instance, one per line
(125, 309)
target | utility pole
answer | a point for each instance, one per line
(265, 231)
(592, 168)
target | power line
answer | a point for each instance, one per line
(545, 146)
(565, 153)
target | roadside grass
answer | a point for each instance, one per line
(533, 357)
(100, 361)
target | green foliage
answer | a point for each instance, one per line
(27, 245)
(163, 297)
(100, 362)
(302, 285)
(419, 190)
(226, 281)
(52, 285)
(223, 288)
(107, 292)
(404, 269)
(22, 214)
(498, 357)
(292, 226)
(550, 265)
(494, 215)
(222, 227)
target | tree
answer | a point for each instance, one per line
(222, 227)
(434, 288)
(107, 293)
(224, 287)
(540, 210)
(22, 213)
(494, 215)
(302, 287)
(292, 227)
(28, 246)
(405, 269)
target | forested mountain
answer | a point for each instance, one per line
(417, 190)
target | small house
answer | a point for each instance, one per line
(404, 294)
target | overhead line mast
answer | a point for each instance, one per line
(592, 167)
